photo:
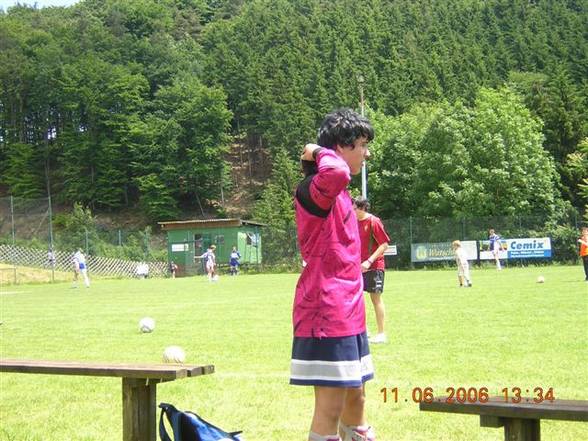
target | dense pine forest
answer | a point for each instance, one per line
(480, 106)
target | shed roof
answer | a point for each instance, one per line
(207, 223)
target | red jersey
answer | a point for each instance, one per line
(371, 231)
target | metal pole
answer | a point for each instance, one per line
(119, 238)
(221, 188)
(12, 219)
(363, 165)
(51, 237)
(86, 233)
(12, 251)
(410, 237)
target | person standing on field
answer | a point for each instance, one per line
(209, 262)
(234, 261)
(463, 266)
(495, 247)
(79, 262)
(173, 268)
(330, 349)
(583, 240)
(374, 242)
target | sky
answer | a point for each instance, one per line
(5, 4)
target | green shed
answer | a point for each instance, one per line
(186, 239)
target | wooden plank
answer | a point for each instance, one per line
(491, 421)
(516, 429)
(195, 371)
(569, 410)
(145, 371)
(139, 410)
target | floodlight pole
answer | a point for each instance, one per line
(363, 166)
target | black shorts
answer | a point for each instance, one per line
(373, 281)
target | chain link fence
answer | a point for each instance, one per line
(280, 251)
(30, 223)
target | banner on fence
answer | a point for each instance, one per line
(391, 251)
(521, 248)
(486, 252)
(440, 251)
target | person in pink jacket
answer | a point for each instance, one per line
(330, 350)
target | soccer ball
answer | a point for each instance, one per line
(215, 278)
(174, 354)
(540, 279)
(146, 325)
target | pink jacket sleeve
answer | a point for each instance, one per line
(332, 178)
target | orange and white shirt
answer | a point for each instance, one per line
(583, 246)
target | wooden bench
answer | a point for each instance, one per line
(521, 421)
(139, 382)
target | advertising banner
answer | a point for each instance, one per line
(486, 253)
(522, 248)
(391, 251)
(440, 251)
(529, 248)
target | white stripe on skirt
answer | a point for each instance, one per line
(331, 370)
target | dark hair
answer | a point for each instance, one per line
(342, 127)
(361, 203)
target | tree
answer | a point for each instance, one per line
(575, 169)
(468, 162)
(277, 210)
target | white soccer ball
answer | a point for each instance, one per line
(215, 278)
(174, 354)
(146, 325)
(540, 279)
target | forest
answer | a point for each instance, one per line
(479, 106)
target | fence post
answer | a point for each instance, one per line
(86, 234)
(12, 220)
(410, 240)
(51, 238)
(119, 238)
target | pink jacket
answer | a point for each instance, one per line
(329, 294)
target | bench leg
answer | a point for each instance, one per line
(139, 408)
(520, 429)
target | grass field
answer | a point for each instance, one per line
(506, 331)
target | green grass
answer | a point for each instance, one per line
(506, 331)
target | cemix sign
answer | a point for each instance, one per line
(528, 248)
(522, 248)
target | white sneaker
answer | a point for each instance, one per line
(378, 339)
(357, 433)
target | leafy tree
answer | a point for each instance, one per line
(157, 199)
(186, 140)
(276, 209)
(76, 230)
(22, 171)
(467, 162)
(576, 171)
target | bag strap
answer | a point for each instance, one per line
(173, 420)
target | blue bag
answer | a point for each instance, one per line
(187, 426)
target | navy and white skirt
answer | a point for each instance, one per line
(334, 361)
